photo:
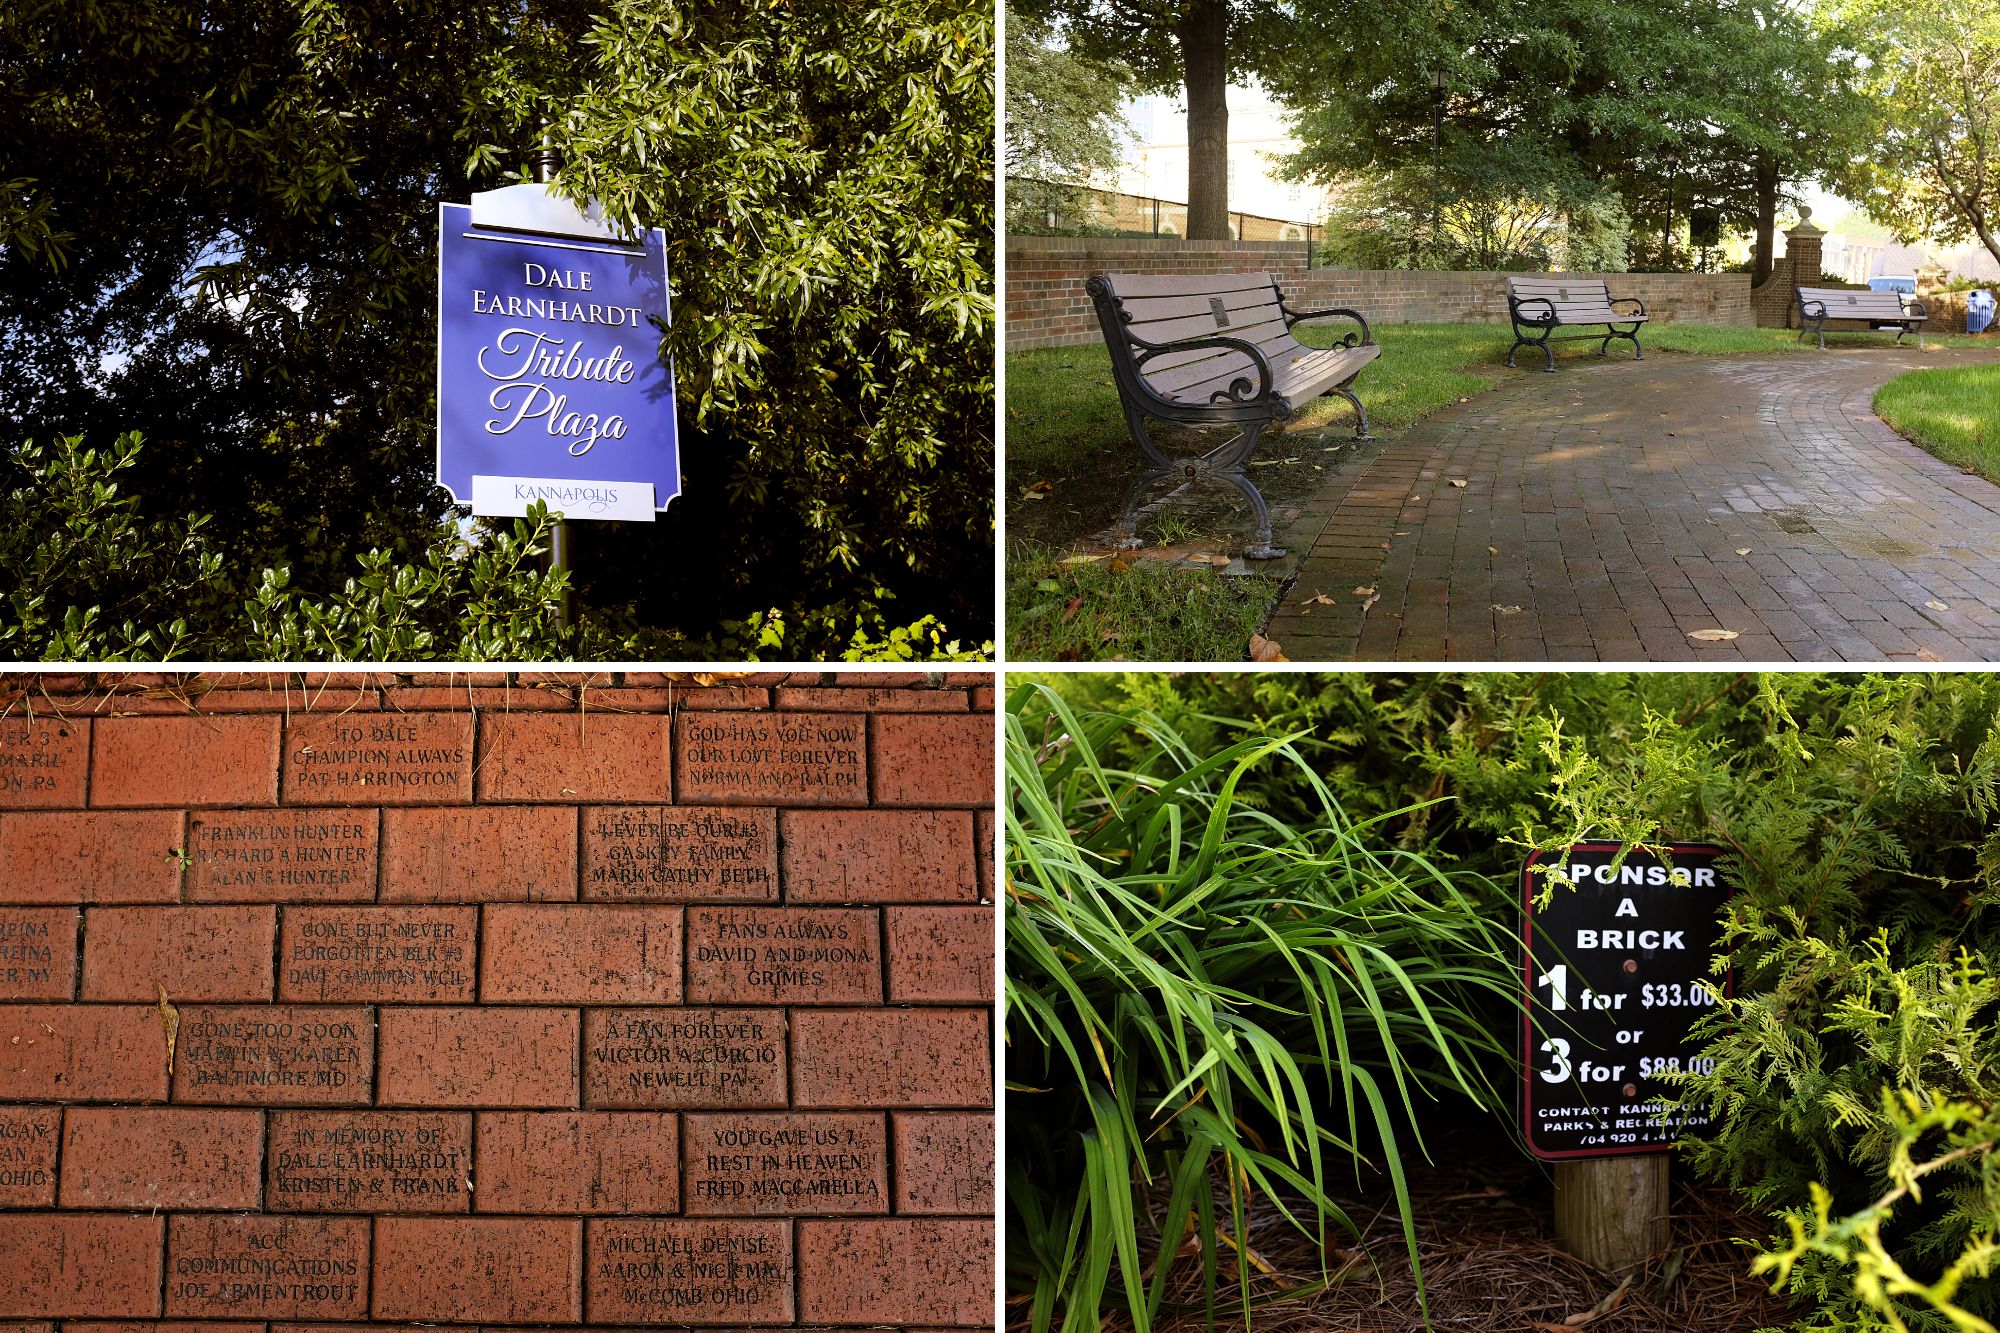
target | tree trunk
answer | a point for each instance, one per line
(1611, 1212)
(1204, 39)
(1766, 178)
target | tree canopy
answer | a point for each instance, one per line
(217, 226)
(1930, 170)
(1579, 109)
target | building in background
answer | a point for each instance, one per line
(1156, 162)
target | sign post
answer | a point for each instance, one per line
(550, 383)
(1612, 966)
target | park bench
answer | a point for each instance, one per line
(1216, 350)
(1878, 310)
(1543, 304)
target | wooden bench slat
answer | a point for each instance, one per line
(1204, 325)
(1128, 285)
(1311, 376)
(1144, 310)
(1266, 336)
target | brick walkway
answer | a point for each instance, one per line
(1609, 505)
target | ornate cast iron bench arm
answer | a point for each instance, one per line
(1341, 312)
(1237, 387)
(1630, 300)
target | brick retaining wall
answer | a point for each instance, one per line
(1047, 307)
(449, 1001)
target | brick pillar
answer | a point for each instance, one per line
(1773, 301)
(1804, 245)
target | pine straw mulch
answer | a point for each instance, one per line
(1490, 1263)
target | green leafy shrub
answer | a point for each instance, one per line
(1199, 984)
(1856, 1063)
(88, 576)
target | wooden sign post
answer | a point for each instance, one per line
(1612, 960)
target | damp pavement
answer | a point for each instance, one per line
(1609, 512)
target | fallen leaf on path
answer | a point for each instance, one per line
(1037, 490)
(1364, 592)
(1926, 655)
(1221, 561)
(1506, 610)
(1458, 482)
(1714, 635)
(1492, 550)
(1370, 602)
(1742, 550)
(1319, 599)
(1069, 612)
(1937, 606)
(1265, 650)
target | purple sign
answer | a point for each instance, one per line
(550, 384)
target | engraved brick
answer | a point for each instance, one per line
(932, 760)
(675, 1271)
(580, 954)
(877, 856)
(940, 955)
(944, 1162)
(684, 1057)
(479, 1269)
(672, 698)
(666, 853)
(157, 1326)
(82, 1053)
(199, 954)
(402, 955)
(275, 1055)
(787, 1164)
(370, 1162)
(573, 757)
(784, 955)
(896, 1271)
(771, 758)
(91, 856)
(379, 759)
(28, 1139)
(891, 1057)
(38, 953)
(232, 1266)
(479, 1057)
(282, 855)
(182, 761)
(983, 844)
(853, 699)
(66, 1265)
(161, 1157)
(578, 1162)
(44, 761)
(483, 854)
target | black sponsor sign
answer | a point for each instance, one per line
(1612, 966)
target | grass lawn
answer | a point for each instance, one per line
(1068, 461)
(1954, 413)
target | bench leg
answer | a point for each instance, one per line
(1361, 431)
(1541, 342)
(1128, 512)
(1630, 335)
(1260, 547)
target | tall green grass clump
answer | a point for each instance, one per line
(1210, 1005)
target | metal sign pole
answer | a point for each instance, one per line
(545, 171)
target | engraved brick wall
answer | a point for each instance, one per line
(502, 1000)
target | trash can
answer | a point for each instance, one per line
(1978, 311)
